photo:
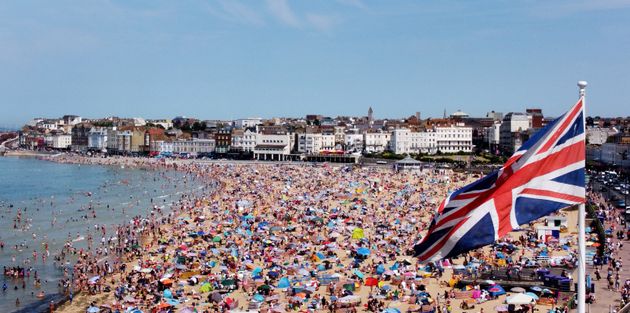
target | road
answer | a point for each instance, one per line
(604, 297)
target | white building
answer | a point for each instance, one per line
(247, 122)
(353, 142)
(71, 120)
(315, 142)
(61, 141)
(453, 139)
(273, 146)
(513, 126)
(376, 142)
(166, 124)
(248, 141)
(97, 138)
(493, 134)
(194, 146)
(161, 146)
(405, 141)
(48, 124)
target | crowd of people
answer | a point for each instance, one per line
(303, 237)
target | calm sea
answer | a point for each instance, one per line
(54, 201)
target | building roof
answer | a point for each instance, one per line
(408, 161)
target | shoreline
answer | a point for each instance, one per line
(62, 299)
(27, 153)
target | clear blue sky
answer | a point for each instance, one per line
(237, 58)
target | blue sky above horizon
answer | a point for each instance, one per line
(236, 58)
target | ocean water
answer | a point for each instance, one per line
(54, 200)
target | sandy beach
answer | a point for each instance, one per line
(309, 238)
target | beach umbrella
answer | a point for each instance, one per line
(363, 251)
(391, 310)
(349, 299)
(536, 289)
(519, 299)
(216, 239)
(533, 295)
(517, 289)
(187, 310)
(216, 297)
(93, 309)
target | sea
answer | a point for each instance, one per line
(54, 202)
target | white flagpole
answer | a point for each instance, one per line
(581, 295)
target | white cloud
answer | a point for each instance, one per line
(321, 22)
(241, 12)
(283, 12)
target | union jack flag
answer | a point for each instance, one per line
(543, 176)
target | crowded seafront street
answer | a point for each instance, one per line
(313, 237)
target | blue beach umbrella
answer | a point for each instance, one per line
(363, 251)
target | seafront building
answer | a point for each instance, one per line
(311, 137)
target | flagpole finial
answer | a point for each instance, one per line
(582, 85)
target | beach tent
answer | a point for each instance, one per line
(358, 233)
(380, 269)
(519, 298)
(206, 287)
(259, 298)
(371, 281)
(168, 294)
(496, 290)
(359, 273)
(284, 283)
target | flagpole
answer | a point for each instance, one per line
(581, 295)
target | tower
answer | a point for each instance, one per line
(370, 116)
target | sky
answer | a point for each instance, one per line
(227, 59)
